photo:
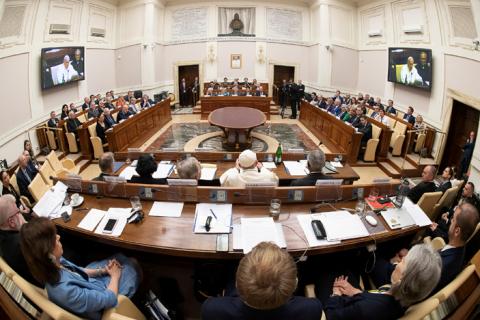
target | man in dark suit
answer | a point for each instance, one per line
(105, 163)
(390, 108)
(337, 96)
(146, 102)
(73, 123)
(409, 115)
(53, 121)
(86, 103)
(364, 127)
(183, 88)
(109, 121)
(94, 111)
(25, 176)
(77, 63)
(123, 114)
(357, 121)
(427, 184)
(195, 91)
(283, 94)
(315, 164)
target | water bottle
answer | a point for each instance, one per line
(402, 193)
(278, 154)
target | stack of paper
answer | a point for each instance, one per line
(208, 173)
(341, 225)
(418, 215)
(49, 204)
(408, 215)
(295, 168)
(128, 173)
(166, 209)
(305, 221)
(163, 171)
(256, 230)
(91, 220)
(119, 214)
(269, 165)
(221, 218)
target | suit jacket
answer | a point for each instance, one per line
(416, 192)
(309, 180)
(52, 123)
(410, 118)
(94, 113)
(101, 132)
(149, 103)
(73, 124)
(100, 177)
(23, 182)
(391, 110)
(121, 115)
(300, 92)
(85, 106)
(452, 264)
(109, 121)
(444, 186)
(365, 306)
(367, 132)
(147, 180)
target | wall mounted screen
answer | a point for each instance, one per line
(62, 65)
(411, 67)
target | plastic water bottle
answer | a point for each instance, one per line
(402, 193)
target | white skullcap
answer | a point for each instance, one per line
(247, 158)
(66, 58)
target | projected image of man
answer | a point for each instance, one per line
(77, 62)
(423, 69)
(65, 71)
(409, 74)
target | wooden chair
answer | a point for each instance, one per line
(421, 310)
(96, 141)
(428, 201)
(66, 165)
(24, 200)
(46, 172)
(72, 142)
(446, 201)
(437, 243)
(398, 137)
(38, 187)
(372, 144)
(51, 140)
(420, 142)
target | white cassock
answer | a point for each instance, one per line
(65, 74)
(233, 178)
(410, 76)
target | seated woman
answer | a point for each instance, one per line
(83, 291)
(419, 124)
(65, 111)
(146, 166)
(266, 280)
(101, 127)
(414, 277)
(9, 189)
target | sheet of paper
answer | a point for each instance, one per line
(418, 215)
(50, 202)
(208, 173)
(128, 173)
(256, 230)
(397, 218)
(57, 213)
(221, 224)
(163, 171)
(166, 209)
(295, 168)
(121, 215)
(60, 188)
(269, 165)
(342, 225)
(336, 164)
(91, 219)
(237, 236)
(305, 221)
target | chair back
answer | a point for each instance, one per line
(446, 201)
(428, 201)
(51, 140)
(13, 182)
(474, 233)
(93, 129)
(456, 283)
(421, 309)
(38, 187)
(54, 161)
(420, 141)
(97, 147)
(72, 142)
(46, 172)
(376, 131)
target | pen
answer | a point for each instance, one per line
(213, 214)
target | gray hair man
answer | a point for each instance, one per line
(315, 164)
(106, 166)
(189, 168)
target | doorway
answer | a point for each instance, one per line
(187, 96)
(464, 119)
(279, 74)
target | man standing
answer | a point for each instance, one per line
(183, 93)
(283, 94)
(467, 154)
(195, 91)
(299, 95)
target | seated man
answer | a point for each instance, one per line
(315, 163)
(73, 123)
(427, 184)
(10, 223)
(53, 121)
(124, 113)
(266, 280)
(189, 168)
(364, 127)
(247, 170)
(25, 176)
(464, 221)
(106, 166)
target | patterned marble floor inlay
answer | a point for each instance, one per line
(178, 134)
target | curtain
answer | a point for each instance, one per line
(246, 15)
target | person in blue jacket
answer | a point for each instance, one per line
(83, 291)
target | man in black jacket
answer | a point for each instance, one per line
(25, 176)
(427, 184)
(53, 121)
(315, 163)
(73, 123)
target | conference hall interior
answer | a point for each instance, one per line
(179, 159)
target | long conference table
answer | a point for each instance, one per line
(175, 237)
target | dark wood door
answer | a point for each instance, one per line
(189, 73)
(464, 119)
(279, 74)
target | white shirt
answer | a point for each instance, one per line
(65, 74)
(410, 76)
(383, 120)
(233, 178)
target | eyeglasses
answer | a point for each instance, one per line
(13, 215)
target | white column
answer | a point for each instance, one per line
(147, 56)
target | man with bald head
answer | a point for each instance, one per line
(11, 220)
(25, 176)
(427, 184)
(65, 71)
(409, 74)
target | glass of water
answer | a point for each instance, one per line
(360, 208)
(275, 206)
(136, 204)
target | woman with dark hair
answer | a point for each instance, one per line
(101, 128)
(447, 175)
(146, 166)
(84, 291)
(27, 147)
(65, 111)
(9, 189)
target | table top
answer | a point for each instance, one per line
(175, 237)
(237, 118)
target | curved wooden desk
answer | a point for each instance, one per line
(237, 123)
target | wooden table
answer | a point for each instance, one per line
(209, 104)
(236, 124)
(174, 236)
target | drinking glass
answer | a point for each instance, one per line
(136, 204)
(373, 194)
(275, 206)
(360, 208)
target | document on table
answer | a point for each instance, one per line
(119, 214)
(237, 236)
(269, 165)
(397, 218)
(60, 188)
(418, 215)
(295, 168)
(166, 209)
(208, 173)
(221, 217)
(342, 225)
(256, 230)
(336, 164)
(91, 219)
(305, 221)
(49, 203)
(128, 173)
(163, 171)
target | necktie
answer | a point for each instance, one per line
(25, 172)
